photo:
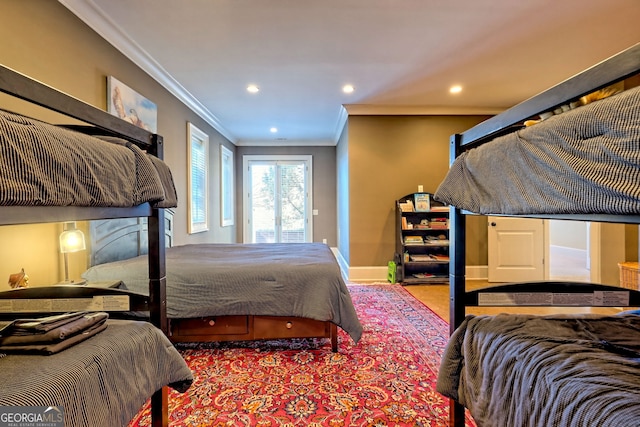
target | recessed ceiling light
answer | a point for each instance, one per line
(253, 89)
(273, 130)
(455, 89)
(348, 88)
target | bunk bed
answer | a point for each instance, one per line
(234, 292)
(581, 164)
(51, 173)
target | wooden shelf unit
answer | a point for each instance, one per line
(422, 241)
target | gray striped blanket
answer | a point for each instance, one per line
(100, 382)
(546, 371)
(586, 160)
(46, 165)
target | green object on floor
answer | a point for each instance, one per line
(391, 274)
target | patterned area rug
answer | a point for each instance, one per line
(387, 379)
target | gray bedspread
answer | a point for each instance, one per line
(46, 165)
(522, 370)
(289, 279)
(585, 160)
(100, 382)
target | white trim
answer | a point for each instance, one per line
(286, 143)
(227, 187)
(417, 110)
(595, 252)
(95, 18)
(379, 274)
(342, 121)
(368, 274)
(195, 136)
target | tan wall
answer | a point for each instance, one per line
(42, 39)
(388, 157)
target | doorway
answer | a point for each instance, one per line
(569, 250)
(278, 199)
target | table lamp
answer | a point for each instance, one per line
(71, 240)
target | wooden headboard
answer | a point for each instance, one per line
(122, 238)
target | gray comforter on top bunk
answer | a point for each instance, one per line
(288, 279)
(46, 165)
(545, 371)
(586, 160)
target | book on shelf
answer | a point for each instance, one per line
(439, 225)
(423, 203)
(413, 240)
(406, 206)
(420, 258)
(439, 208)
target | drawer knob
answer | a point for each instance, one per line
(289, 325)
(212, 322)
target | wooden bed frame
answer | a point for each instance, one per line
(98, 122)
(247, 328)
(617, 68)
(114, 240)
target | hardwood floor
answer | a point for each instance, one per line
(564, 265)
(436, 297)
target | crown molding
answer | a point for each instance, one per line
(417, 110)
(95, 18)
(286, 143)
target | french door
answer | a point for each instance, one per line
(278, 199)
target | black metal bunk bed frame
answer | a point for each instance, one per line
(614, 69)
(98, 122)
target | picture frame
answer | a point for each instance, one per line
(227, 188)
(198, 180)
(129, 105)
(422, 202)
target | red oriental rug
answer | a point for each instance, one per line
(387, 379)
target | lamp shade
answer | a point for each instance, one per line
(71, 239)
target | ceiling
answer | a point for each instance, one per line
(401, 56)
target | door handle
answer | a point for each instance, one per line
(493, 224)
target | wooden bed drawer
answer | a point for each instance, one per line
(225, 325)
(288, 327)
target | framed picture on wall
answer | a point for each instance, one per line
(129, 105)
(422, 202)
(227, 211)
(198, 189)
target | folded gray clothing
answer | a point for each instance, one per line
(55, 346)
(50, 329)
(30, 326)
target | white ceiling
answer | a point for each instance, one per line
(401, 55)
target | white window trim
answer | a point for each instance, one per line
(198, 144)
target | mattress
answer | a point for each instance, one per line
(586, 160)
(46, 165)
(545, 371)
(100, 382)
(289, 279)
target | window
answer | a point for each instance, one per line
(278, 204)
(198, 143)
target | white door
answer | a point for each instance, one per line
(278, 199)
(516, 249)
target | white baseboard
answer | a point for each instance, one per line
(379, 273)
